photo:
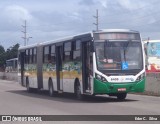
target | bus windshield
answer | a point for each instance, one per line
(119, 55)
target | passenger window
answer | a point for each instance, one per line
(68, 51)
(46, 54)
(34, 55)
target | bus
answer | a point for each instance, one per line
(109, 61)
(152, 51)
(11, 65)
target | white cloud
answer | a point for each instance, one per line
(104, 3)
(12, 17)
(48, 19)
(132, 4)
(17, 13)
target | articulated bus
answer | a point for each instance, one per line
(99, 62)
(152, 51)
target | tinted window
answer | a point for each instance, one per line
(46, 54)
(76, 55)
(78, 44)
(30, 56)
(34, 55)
(67, 46)
(27, 57)
(53, 49)
(67, 56)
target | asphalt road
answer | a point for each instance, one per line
(15, 100)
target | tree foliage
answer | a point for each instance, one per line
(2, 56)
(10, 53)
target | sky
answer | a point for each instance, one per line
(54, 19)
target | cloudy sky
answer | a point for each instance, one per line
(52, 19)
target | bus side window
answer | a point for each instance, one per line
(31, 56)
(53, 56)
(27, 56)
(76, 50)
(46, 54)
(68, 51)
(76, 55)
(34, 55)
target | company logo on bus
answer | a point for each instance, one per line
(129, 79)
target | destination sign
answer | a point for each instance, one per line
(117, 36)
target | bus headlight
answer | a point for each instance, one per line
(141, 77)
(101, 78)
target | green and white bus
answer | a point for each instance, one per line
(99, 62)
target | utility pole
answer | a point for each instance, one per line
(25, 32)
(26, 39)
(96, 17)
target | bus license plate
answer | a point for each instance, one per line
(121, 89)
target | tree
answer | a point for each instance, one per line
(2, 57)
(2, 49)
(12, 52)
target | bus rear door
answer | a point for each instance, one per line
(59, 59)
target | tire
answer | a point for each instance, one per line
(50, 88)
(27, 86)
(78, 93)
(121, 96)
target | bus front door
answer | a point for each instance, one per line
(59, 53)
(86, 66)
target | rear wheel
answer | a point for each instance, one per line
(51, 91)
(121, 96)
(27, 85)
(78, 93)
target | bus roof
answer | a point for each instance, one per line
(28, 46)
(76, 37)
(67, 38)
(56, 40)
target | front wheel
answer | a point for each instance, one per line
(121, 96)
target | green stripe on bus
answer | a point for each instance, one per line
(107, 88)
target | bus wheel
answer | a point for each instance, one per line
(121, 96)
(51, 92)
(27, 85)
(78, 93)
